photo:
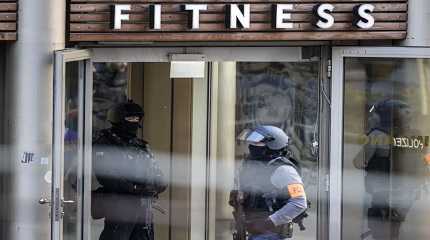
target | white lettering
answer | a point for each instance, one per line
(404, 143)
(366, 20)
(326, 20)
(239, 14)
(281, 15)
(155, 14)
(195, 15)
(119, 16)
(398, 142)
(416, 143)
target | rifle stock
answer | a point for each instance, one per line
(239, 218)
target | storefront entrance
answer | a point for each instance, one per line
(196, 101)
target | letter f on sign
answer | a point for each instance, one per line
(119, 16)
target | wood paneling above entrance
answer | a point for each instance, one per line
(8, 20)
(91, 20)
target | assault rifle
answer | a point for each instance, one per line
(236, 201)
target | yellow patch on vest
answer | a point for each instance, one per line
(296, 190)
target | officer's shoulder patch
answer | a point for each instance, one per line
(427, 159)
(296, 190)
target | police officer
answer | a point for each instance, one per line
(130, 177)
(273, 192)
(391, 193)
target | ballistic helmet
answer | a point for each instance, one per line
(387, 110)
(269, 136)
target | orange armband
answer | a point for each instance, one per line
(296, 190)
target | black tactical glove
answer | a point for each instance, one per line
(236, 198)
(233, 198)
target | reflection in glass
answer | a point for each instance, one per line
(110, 87)
(110, 81)
(385, 144)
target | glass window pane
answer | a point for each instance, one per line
(72, 150)
(386, 139)
(253, 94)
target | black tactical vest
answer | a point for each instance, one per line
(126, 166)
(261, 196)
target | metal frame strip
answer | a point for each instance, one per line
(212, 54)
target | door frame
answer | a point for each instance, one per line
(61, 58)
(336, 148)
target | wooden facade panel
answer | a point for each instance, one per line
(8, 20)
(91, 20)
(215, 27)
(235, 1)
(235, 36)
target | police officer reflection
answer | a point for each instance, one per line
(129, 175)
(269, 195)
(391, 171)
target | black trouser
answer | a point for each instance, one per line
(127, 231)
(384, 221)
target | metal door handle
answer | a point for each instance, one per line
(67, 201)
(44, 201)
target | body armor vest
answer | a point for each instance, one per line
(118, 161)
(261, 196)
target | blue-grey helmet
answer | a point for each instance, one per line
(386, 111)
(269, 136)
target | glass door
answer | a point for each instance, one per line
(70, 108)
(192, 122)
(260, 92)
(381, 173)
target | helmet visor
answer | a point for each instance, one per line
(251, 137)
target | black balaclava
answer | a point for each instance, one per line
(257, 152)
(263, 153)
(124, 128)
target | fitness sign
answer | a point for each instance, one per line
(238, 16)
(236, 21)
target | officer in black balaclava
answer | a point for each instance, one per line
(130, 177)
(272, 188)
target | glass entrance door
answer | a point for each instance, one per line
(249, 94)
(380, 175)
(71, 79)
(192, 123)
